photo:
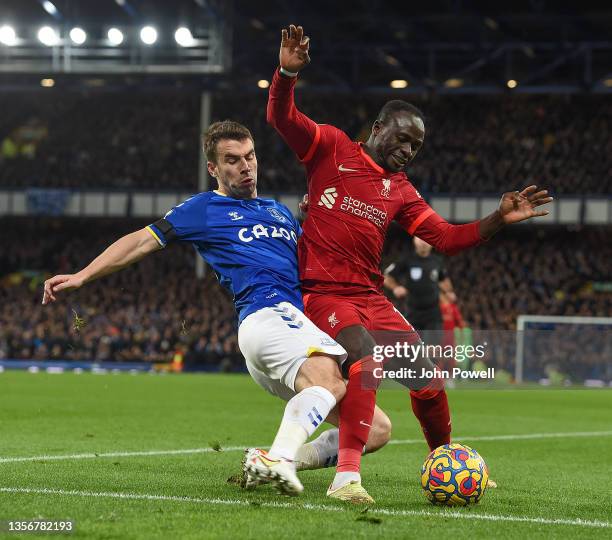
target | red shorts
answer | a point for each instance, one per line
(372, 310)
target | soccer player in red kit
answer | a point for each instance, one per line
(451, 319)
(451, 316)
(355, 191)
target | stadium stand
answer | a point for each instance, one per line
(158, 308)
(484, 144)
(147, 313)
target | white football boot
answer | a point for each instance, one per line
(261, 469)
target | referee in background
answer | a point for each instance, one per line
(419, 277)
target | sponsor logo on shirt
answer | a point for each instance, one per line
(386, 190)
(364, 210)
(234, 216)
(353, 206)
(258, 231)
(328, 199)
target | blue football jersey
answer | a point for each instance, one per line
(251, 244)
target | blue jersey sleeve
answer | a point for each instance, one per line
(185, 222)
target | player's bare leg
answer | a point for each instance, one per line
(319, 386)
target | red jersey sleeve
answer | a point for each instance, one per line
(300, 132)
(420, 219)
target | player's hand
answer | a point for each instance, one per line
(518, 206)
(400, 291)
(293, 55)
(64, 282)
(303, 205)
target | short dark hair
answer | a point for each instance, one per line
(395, 106)
(217, 131)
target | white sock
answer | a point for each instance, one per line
(320, 453)
(343, 478)
(304, 413)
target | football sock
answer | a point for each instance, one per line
(431, 409)
(343, 478)
(356, 414)
(320, 453)
(304, 413)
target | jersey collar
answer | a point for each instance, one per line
(372, 163)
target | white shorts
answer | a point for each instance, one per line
(276, 341)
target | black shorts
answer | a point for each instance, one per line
(428, 324)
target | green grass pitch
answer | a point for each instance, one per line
(550, 485)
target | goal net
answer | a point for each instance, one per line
(560, 350)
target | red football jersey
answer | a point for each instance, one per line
(451, 316)
(352, 201)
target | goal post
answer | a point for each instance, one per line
(559, 331)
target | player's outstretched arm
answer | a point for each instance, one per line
(515, 206)
(298, 131)
(125, 251)
(450, 239)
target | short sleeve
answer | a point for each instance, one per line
(396, 269)
(185, 222)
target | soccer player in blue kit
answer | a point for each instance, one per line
(251, 244)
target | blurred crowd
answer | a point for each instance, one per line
(158, 309)
(535, 271)
(91, 140)
(151, 141)
(155, 311)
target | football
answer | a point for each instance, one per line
(454, 475)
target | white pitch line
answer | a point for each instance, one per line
(443, 513)
(93, 455)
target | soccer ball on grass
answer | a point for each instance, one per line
(454, 475)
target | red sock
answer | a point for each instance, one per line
(356, 414)
(434, 415)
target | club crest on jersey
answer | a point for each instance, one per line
(277, 215)
(332, 320)
(386, 190)
(234, 216)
